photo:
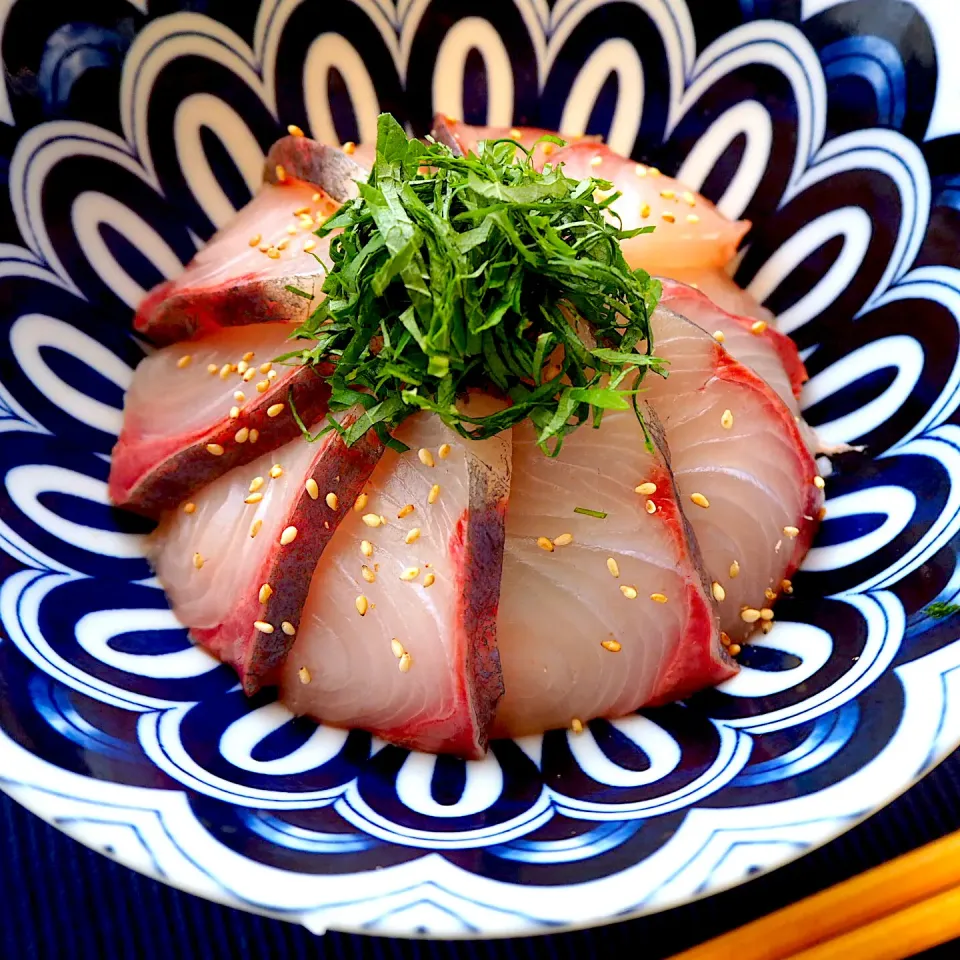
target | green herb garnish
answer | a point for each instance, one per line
(472, 275)
(940, 610)
(599, 514)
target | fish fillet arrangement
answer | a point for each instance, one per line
(521, 536)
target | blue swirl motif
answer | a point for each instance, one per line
(115, 728)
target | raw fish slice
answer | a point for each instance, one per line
(238, 569)
(176, 411)
(766, 351)
(690, 231)
(463, 138)
(558, 607)
(242, 274)
(720, 288)
(733, 442)
(344, 668)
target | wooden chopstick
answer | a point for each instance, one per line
(878, 907)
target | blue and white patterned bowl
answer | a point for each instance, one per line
(129, 134)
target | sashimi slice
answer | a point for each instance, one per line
(747, 480)
(690, 231)
(770, 354)
(416, 662)
(238, 568)
(600, 616)
(243, 273)
(195, 411)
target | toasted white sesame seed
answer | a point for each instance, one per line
(668, 194)
(791, 532)
(253, 497)
(412, 535)
(198, 560)
(294, 130)
(718, 336)
(262, 386)
(769, 594)
(650, 507)
(758, 327)
(360, 502)
(275, 410)
(669, 217)
(545, 543)
(411, 573)
(332, 501)
(255, 527)
(786, 586)
(291, 230)
(733, 649)
(281, 174)
(596, 160)
(225, 371)
(564, 540)
(242, 435)
(613, 567)
(406, 662)
(304, 674)
(629, 592)
(612, 645)
(288, 628)
(313, 491)
(405, 511)
(429, 580)
(726, 419)
(276, 471)
(263, 626)
(692, 218)
(366, 548)
(371, 520)
(274, 252)
(316, 197)
(243, 367)
(766, 614)
(646, 489)
(640, 170)
(700, 500)
(819, 482)
(254, 434)
(443, 451)
(724, 639)
(576, 725)
(658, 597)
(215, 449)
(185, 361)
(362, 605)
(288, 536)
(367, 574)
(644, 210)
(212, 368)
(254, 240)
(190, 507)
(734, 570)
(266, 367)
(266, 592)
(239, 396)
(309, 245)
(426, 457)
(249, 375)
(434, 493)
(750, 615)
(719, 594)
(234, 413)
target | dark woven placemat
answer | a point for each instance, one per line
(60, 900)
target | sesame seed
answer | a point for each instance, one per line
(262, 386)
(514, 134)
(629, 592)
(766, 614)
(766, 626)
(406, 662)
(255, 527)
(724, 639)
(595, 161)
(263, 626)
(760, 326)
(718, 336)
(273, 252)
(412, 536)
(198, 560)
(819, 482)
(253, 498)
(332, 501)
(429, 580)
(769, 594)
(426, 457)
(777, 546)
(264, 247)
(650, 507)
(646, 489)
(349, 147)
(234, 413)
(254, 435)
(791, 532)
(190, 507)
(317, 197)
(215, 449)
(288, 536)
(185, 361)
(254, 240)
(294, 130)
(405, 511)
(734, 570)
(644, 210)
(689, 198)
(719, 594)
(443, 451)
(371, 520)
(226, 370)
(613, 567)
(658, 597)
(249, 375)
(272, 375)
(434, 493)
(640, 170)
(668, 194)
(242, 435)
(397, 647)
(366, 548)
(669, 217)
(276, 471)
(750, 615)
(360, 502)
(692, 218)
(265, 367)
(312, 489)
(653, 171)
(545, 543)
(291, 229)
(411, 573)
(700, 500)
(733, 649)
(362, 604)
(304, 674)
(243, 367)
(281, 174)
(367, 574)
(212, 368)
(576, 725)
(612, 645)
(786, 586)
(564, 540)
(266, 592)
(284, 243)
(239, 396)
(309, 245)
(288, 628)
(249, 355)
(726, 419)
